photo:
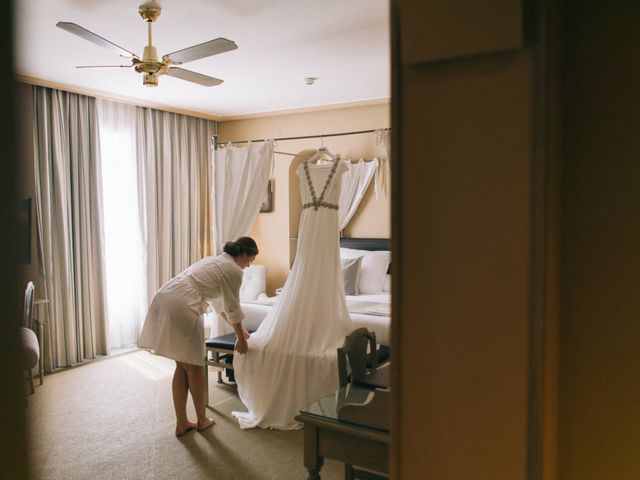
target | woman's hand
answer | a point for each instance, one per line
(241, 345)
(241, 338)
(246, 333)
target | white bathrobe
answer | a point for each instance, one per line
(174, 326)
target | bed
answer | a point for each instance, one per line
(369, 301)
(370, 311)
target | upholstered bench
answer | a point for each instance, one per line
(221, 349)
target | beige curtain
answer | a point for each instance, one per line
(174, 161)
(69, 216)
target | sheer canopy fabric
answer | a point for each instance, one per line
(355, 182)
(69, 218)
(241, 175)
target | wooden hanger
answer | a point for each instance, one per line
(323, 152)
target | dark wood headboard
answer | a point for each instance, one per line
(366, 243)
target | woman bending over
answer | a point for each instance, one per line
(174, 327)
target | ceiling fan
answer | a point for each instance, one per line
(149, 65)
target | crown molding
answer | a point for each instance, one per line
(315, 108)
(219, 118)
(109, 96)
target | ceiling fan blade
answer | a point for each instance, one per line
(103, 66)
(194, 77)
(93, 38)
(202, 50)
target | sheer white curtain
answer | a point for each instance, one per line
(355, 182)
(124, 253)
(240, 182)
(69, 218)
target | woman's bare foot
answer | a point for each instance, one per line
(182, 429)
(202, 426)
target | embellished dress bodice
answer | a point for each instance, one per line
(324, 176)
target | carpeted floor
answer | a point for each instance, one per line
(113, 419)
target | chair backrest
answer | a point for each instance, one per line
(357, 355)
(29, 292)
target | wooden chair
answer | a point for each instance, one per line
(357, 356)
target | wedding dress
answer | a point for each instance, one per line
(292, 358)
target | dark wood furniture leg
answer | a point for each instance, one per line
(348, 471)
(312, 460)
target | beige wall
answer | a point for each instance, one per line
(274, 230)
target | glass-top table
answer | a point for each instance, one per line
(328, 407)
(349, 426)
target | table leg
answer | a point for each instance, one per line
(314, 474)
(217, 360)
(312, 460)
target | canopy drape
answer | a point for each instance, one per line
(241, 175)
(355, 182)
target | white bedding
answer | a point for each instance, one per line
(368, 311)
(376, 319)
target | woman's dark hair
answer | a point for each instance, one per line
(242, 245)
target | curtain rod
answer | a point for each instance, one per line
(307, 136)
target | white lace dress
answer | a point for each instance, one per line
(292, 358)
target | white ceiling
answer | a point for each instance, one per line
(344, 43)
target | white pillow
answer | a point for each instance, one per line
(373, 269)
